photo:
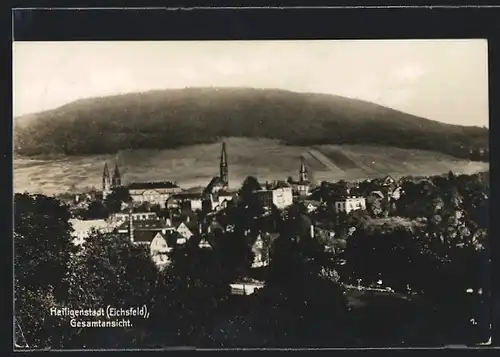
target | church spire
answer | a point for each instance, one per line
(223, 164)
(303, 171)
(223, 155)
(117, 179)
(106, 179)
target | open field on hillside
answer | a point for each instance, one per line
(263, 158)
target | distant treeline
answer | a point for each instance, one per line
(174, 118)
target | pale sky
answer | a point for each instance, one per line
(443, 80)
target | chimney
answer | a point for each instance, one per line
(188, 219)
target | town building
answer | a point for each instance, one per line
(82, 229)
(150, 232)
(261, 251)
(120, 217)
(311, 205)
(110, 182)
(159, 250)
(374, 197)
(184, 232)
(220, 200)
(301, 187)
(190, 201)
(204, 243)
(221, 182)
(143, 231)
(186, 226)
(246, 287)
(278, 193)
(396, 193)
(350, 204)
(156, 193)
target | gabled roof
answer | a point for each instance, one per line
(149, 224)
(186, 196)
(215, 181)
(377, 193)
(267, 238)
(204, 243)
(152, 185)
(183, 225)
(145, 225)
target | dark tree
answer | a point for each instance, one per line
(42, 251)
(235, 254)
(302, 286)
(110, 270)
(96, 210)
(189, 294)
(249, 186)
(116, 198)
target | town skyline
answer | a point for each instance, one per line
(426, 78)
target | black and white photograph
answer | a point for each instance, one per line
(270, 194)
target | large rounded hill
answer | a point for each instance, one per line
(173, 118)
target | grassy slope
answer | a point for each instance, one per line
(263, 158)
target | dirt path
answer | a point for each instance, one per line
(325, 161)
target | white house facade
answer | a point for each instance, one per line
(350, 204)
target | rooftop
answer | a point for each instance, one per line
(313, 202)
(186, 196)
(86, 225)
(145, 236)
(214, 182)
(146, 224)
(152, 185)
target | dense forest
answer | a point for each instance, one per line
(172, 118)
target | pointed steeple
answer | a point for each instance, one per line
(303, 171)
(117, 179)
(106, 179)
(106, 170)
(223, 155)
(223, 165)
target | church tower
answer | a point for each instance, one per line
(117, 179)
(224, 176)
(303, 172)
(106, 180)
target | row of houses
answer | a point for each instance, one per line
(148, 229)
(162, 235)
